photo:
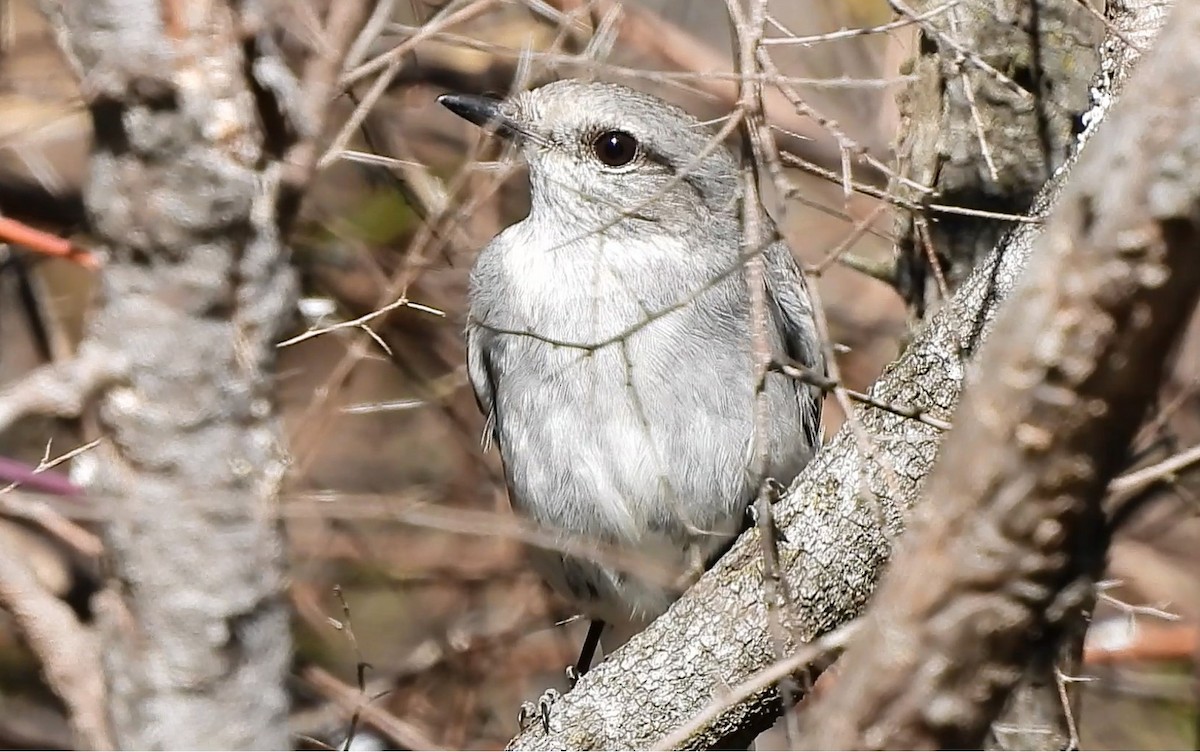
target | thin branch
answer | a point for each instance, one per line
(318, 86)
(361, 321)
(748, 32)
(830, 36)
(43, 515)
(1136, 481)
(827, 384)
(380, 17)
(46, 243)
(445, 19)
(60, 389)
(963, 54)
(354, 702)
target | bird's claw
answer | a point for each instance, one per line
(545, 702)
(775, 490)
(572, 676)
(525, 716)
(541, 711)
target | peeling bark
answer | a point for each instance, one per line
(992, 112)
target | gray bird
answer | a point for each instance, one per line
(609, 343)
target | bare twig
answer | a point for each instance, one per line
(847, 147)
(35, 509)
(447, 18)
(318, 85)
(831, 36)
(380, 17)
(12, 231)
(963, 54)
(825, 383)
(748, 32)
(65, 487)
(354, 702)
(1137, 481)
(359, 323)
(83, 541)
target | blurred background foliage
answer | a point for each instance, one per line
(414, 611)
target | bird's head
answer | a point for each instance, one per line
(604, 154)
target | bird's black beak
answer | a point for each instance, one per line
(482, 111)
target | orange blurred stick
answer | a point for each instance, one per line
(22, 234)
(1150, 642)
(1162, 642)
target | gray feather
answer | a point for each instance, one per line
(609, 344)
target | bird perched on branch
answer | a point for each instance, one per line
(611, 345)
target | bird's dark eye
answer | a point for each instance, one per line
(615, 148)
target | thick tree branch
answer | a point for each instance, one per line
(1013, 535)
(68, 650)
(839, 519)
(991, 111)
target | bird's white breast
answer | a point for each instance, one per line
(620, 416)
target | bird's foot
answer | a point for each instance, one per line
(541, 711)
(572, 676)
(775, 490)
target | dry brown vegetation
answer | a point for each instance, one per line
(414, 618)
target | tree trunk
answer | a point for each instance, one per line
(183, 199)
(993, 110)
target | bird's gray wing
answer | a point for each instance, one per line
(481, 376)
(787, 294)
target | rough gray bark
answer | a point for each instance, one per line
(839, 519)
(989, 140)
(188, 189)
(1014, 534)
(997, 134)
(194, 295)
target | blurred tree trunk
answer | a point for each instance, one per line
(190, 186)
(1014, 535)
(992, 111)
